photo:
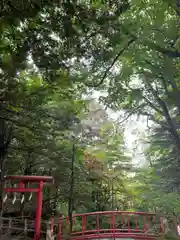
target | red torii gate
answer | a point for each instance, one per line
(21, 181)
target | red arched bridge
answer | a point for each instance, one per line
(110, 225)
(94, 225)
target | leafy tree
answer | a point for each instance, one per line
(147, 84)
(107, 162)
(51, 56)
(38, 133)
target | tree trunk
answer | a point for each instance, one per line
(70, 201)
(112, 192)
(165, 111)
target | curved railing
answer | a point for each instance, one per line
(111, 224)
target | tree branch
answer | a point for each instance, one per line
(166, 114)
(152, 105)
(112, 65)
(164, 51)
(131, 113)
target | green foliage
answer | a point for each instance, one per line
(51, 56)
(147, 83)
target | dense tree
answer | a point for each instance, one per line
(53, 54)
(148, 82)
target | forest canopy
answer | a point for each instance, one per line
(54, 55)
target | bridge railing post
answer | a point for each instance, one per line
(97, 223)
(113, 225)
(128, 224)
(136, 222)
(144, 223)
(149, 223)
(59, 228)
(50, 230)
(162, 225)
(83, 224)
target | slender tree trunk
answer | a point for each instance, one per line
(71, 199)
(112, 192)
(165, 111)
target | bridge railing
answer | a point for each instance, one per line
(111, 224)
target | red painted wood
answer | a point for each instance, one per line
(114, 212)
(119, 225)
(30, 178)
(162, 224)
(144, 222)
(59, 228)
(97, 223)
(39, 211)
(118, 235)
(106, 230)
(52, 226)
(83, 224)
(20, 181)
(25, 190)
(136, 222)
